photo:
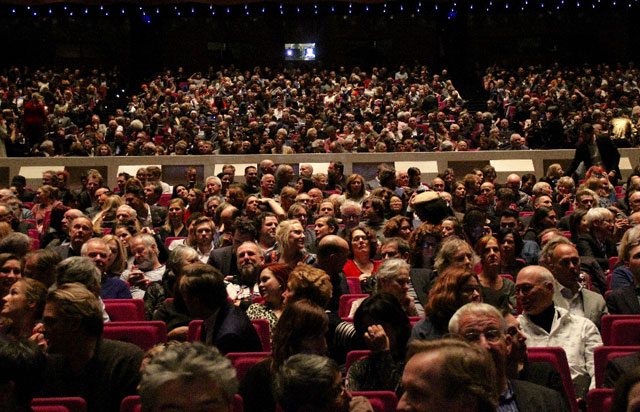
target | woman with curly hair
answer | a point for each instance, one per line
(424, 242)
(398, 226)
(454, 288)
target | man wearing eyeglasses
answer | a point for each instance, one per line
(482, 324)
(546, 324)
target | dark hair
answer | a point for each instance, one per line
(205, 283)
(538, 216)
(246, 226)
(22, 362)
(516, 238)
(300, 319)
(384, 308)
(371, 235)
(620, 400)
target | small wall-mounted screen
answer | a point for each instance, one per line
(300, 51)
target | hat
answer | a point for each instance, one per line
(425, 197)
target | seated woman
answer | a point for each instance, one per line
(107, 217)
(424, 242)
(301, 329)
(23, 307)
(174, 225)
(362, 248)
(455, 287)
(112, 287)
(621, 275)
(46, 199)
(383, 327)
(510, 244)
(155, 299)
(290, 238)
(273, 284)
(489, 251)
(393, 278)
(10, 272)
(543, 218)
(398, 226)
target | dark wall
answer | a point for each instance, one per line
(464, 44)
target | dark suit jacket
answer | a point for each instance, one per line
(232, 331)
(535, 398)
(224, 260)
(587, 245)
(422, 280)
(372, 184)
(543, 374)
(608, 153)
(623, 301)
(617, 367)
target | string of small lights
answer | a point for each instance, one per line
(445, 10)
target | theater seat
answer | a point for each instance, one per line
(125, 310)
(604, 354)
(606, 323)
(260, 325)
(599, 400)
(354, 285)
(346, 301)
(143, 334)
(354, 356)
(558, 358)
(625, 332)
(71, 404)
(194, 330)
(243, 361)
(169, 240)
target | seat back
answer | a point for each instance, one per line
(49, 408)
(71, 404)
(243, 361)
(169, 240)
(613, 261)
(599, 400)
(164, 199)
(346, 301)
(604, 354)
(558, 358)
(355, 355)
(605, 326)
(625, 332)
(354, 285)
(194, 330)
(144, 334)
(506, 276)
(124, 310)
(262, 329)
(382, 401)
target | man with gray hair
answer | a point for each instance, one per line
(310, 383)
(111, 287)
(546, 324)
(188, 376)
(483, 325)
(562, 259)
(146, 267)
(350, 212)
(600, 242)
(80, 231)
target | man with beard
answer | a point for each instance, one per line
(204, 228)
(267, 234)
(146, 268)
(244, 287)
(337, 180)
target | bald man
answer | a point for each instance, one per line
(333, 252)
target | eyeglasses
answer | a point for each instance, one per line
(491, 335)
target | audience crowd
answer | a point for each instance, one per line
(455, 276)
(311, 110)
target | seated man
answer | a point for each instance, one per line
(599, 242)
(311, 383)
(111, 287)
(244, 288)
(562, 259)
(482, 324)
(448, 375)
(189, 376)
(146, 268)
(546, 324)
(80, 362)
(80, 230)
(224, 258)
(21, 367)
(225, 326)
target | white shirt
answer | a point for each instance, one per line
(578, 337)
(564, 297)
(155, 275)
(242, 292)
